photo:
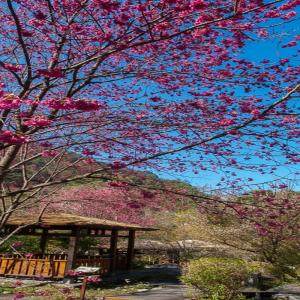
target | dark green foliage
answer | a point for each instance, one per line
(30, 244)
(22, 244)
(286, 262)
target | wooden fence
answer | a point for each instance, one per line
(51, 265)
(32, 267)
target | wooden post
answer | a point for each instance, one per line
(43, 241)
(83, 288)
(130, 249)
(72, 251)
(113, 249)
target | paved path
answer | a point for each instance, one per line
(167, 277)
(170, 292)
(289, 290)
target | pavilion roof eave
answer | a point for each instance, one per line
(69, 221)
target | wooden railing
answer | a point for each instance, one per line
(32, 267)
(102, 262)
(52, 265)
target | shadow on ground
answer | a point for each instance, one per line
(165, 279)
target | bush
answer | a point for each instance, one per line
(217, 278)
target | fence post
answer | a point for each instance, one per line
(83, 288)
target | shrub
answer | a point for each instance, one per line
(217, 278)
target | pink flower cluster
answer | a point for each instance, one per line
(271, 215)
(227, 122)
(9, 102)
(28, 255)
(198, 4)
(85, 105)
(289, 15)
(73, 273)
(49, 153)
(69, 104)
(118, 184)
(11, 138)
(17, 283)
(42, 293)
(53, 73)
(17, 244)
(18, 295)
(117, 165)
(289, 5)
(107, 5)
(12, 68)
(94, 279)
(39, 121)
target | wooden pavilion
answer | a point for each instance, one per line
(56, 266)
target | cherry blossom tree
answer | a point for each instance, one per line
(150, 84)
(264, 225)
(273, 214)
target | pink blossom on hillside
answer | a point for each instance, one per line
(116, 201)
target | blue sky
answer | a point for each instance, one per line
(290, 174)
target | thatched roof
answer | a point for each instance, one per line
(66, 221)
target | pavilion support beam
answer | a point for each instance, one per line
(43, 241)
(114, 250)
(72, 252)
(130, 249)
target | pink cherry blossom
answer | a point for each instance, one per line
(171, 87)
(54, 73)
(38, 121)
(9, 137)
